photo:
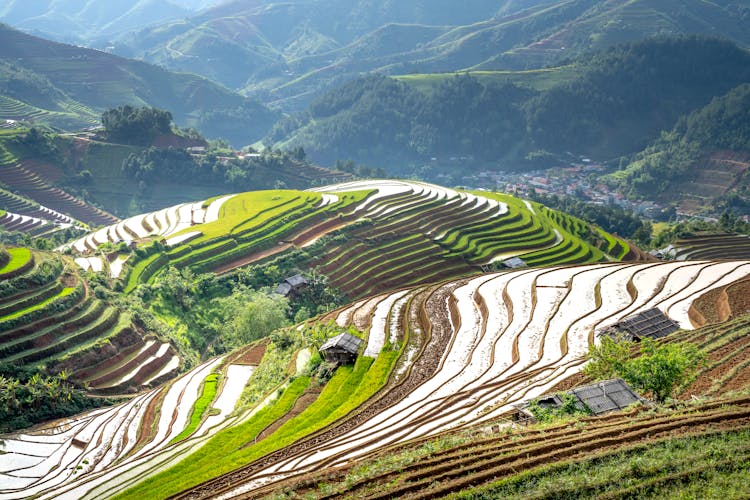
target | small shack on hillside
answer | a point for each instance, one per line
(515, 263)
(652, 324)
(600, 398)
(341, 349)
(292, 285)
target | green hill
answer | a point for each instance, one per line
(605, 105)
(69, 86)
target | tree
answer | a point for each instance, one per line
(662, 368)
(659, 368)
(608, 359)
(254, 316)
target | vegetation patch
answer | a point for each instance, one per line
(208, 394)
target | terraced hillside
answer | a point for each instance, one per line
(374, 235)
(713, 246)
(33, 183)
(26, 180)
(50, 318)
(591, 457)
(686, 451)
(452, 356)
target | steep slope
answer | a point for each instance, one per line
(50, 79)
(49, 318)
(285, 53)
(467, 351)
(374, 235)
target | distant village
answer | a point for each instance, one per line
(576, 180)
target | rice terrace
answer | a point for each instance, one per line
(325, 249)
(454, 338)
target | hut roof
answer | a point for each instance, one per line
(284, 289)
(606, 396)
(652, 324)
(296, 281)
(514, 263)
(601, 397)
(345, 342)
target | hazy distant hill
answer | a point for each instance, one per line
(609, 104)
(69, 86)
(89, 20)
(287, 52)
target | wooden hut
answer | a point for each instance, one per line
(600, 398)
(341, 349)
(292, 285)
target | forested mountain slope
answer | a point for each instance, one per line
(702, 162)
(612, 103)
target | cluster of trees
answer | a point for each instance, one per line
(136, 126)
(155, 164)
(612, 219)
(28, 396)
(220, 314)
(728, 222)
(37, 143)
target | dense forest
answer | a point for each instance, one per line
(137, 126)
(617, 104)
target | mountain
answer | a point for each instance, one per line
(702, 163)
(604, 105)
(93, 21)
(286, 53)
(69, 86)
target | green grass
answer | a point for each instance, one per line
(538, 79)
(349, 388)
(227, 444)
(210, 386)
(64, 293)
(134, 277)
(713, 466)
(19, 257)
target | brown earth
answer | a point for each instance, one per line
(306, 399)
